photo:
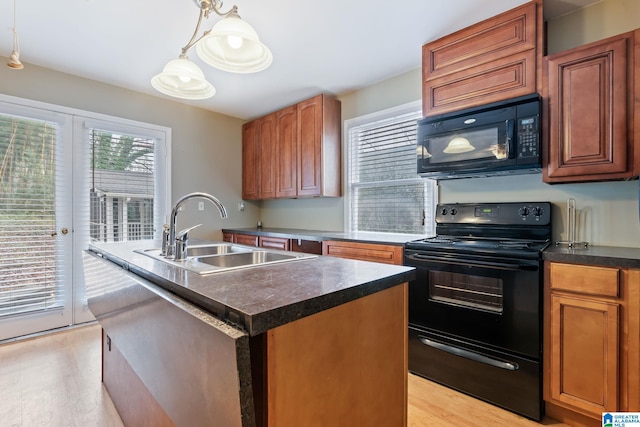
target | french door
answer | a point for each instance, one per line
(36, 220)
(67, 178)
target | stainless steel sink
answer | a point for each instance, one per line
(221, 257)
(215, 249)
(246, 259)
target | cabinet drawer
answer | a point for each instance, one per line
(386, 254)
(482, 43)
(503, 78)
(590, 280)
(246, 239)
(274, 243)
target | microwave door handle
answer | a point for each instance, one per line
(510, 127)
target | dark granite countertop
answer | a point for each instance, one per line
(261, 298)
(596, 255)
(318, 236)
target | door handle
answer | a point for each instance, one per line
(510, 366)
(64, 231)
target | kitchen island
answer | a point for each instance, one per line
(318, 341)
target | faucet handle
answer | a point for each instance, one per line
(180, 252)
(182, 234)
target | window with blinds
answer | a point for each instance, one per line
(28, 251)
(122, 187)
(385, 193)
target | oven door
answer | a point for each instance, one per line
(490, 301)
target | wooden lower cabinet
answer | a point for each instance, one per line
(591, 348)
(388, 254)
(346, 366)
(280, 243)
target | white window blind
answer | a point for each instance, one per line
(385, 192)
(28, 250)
(122, 186)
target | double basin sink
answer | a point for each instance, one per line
(220, 257)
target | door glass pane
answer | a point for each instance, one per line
(122, 187)
(28, 256)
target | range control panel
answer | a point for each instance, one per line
(527, 213)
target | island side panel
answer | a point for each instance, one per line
(128, 392)
(165, 361)
(343, 366)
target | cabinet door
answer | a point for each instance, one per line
(286, 134)
(345, 366)
(246, 239)
(588, 93)
(227, 237)
(584, 343)
(266, 159)
(493, 60)
(274, 243)
(309, 156)
(250, 150)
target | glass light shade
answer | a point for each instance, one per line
(459, 145)
(233, 45)
(14, 61)
(182, 78)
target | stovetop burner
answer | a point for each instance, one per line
(512, 229)
(471, 243)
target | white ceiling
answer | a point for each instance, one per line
(328, 46)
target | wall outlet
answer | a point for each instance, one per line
(200, 206)
(241, 206)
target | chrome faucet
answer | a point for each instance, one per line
(169, 239)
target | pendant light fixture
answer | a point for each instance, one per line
(14, 58)
(231, 45)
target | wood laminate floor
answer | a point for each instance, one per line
(55, 380)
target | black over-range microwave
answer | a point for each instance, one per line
(499, 138)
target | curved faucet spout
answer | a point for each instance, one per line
(174, 214)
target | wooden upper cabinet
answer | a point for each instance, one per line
(294, 152)
(590, 109)
(258, 158)
(494, 60)
(266, 162)
(286, 134)
(250, 154)
(318, 160)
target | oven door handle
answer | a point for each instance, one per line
(474, 263)
(509, 366)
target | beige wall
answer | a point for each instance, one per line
(608, 210)
(206, 147)
(600, 20)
